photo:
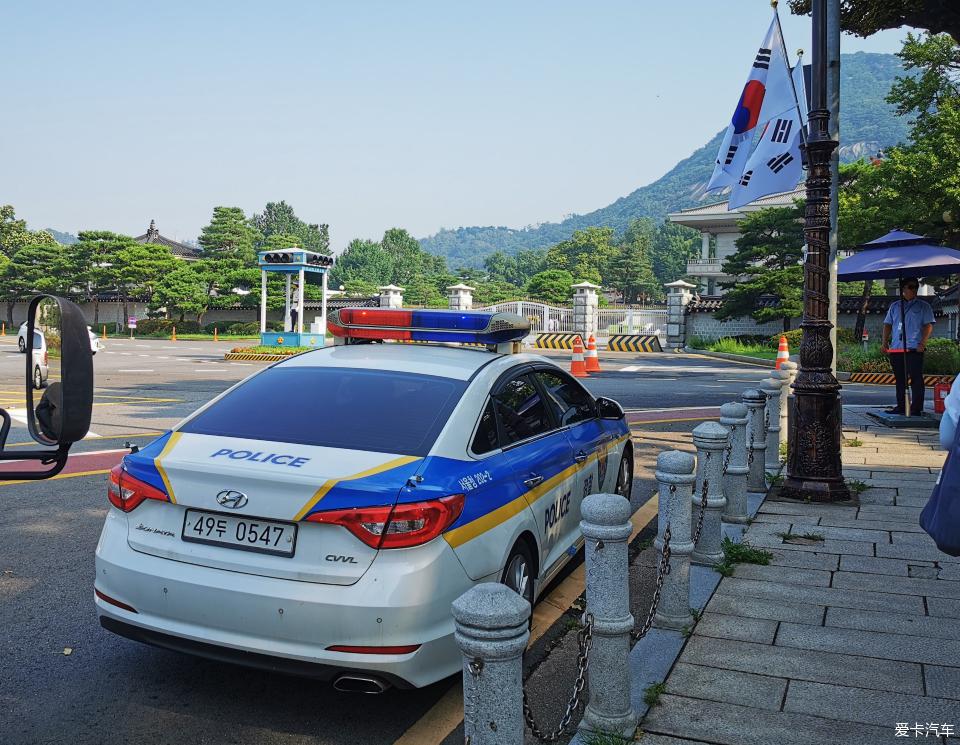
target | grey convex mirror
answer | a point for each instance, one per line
(59, 372)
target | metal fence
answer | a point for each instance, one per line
(638, 319)
(543, 318)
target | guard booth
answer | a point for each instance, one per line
(289, 262)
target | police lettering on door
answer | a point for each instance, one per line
(557, 511)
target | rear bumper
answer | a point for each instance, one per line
(264, 662)
(287, 625)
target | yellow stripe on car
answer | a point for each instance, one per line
(459, 536)
(330, 483)
(158, 462)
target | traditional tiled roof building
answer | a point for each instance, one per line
(180, 250)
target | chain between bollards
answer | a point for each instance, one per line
(584, 640)
(663, 569)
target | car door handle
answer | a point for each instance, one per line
(533, 481)
(580, 457)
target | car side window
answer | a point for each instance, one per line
(521, 411)
(570, 400)
(486, 438)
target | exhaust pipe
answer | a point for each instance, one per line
(351, 683)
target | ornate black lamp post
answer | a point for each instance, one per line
(814, 470)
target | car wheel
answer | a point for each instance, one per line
(37, 378)
(22, 344)
(518, 571)
(624, 486)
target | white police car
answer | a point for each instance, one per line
(321, 516)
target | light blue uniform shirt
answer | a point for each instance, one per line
(917, 313)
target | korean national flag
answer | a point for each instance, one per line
(775, 164)
(766, 94)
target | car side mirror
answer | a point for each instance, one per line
(59, 363)
(607, 408)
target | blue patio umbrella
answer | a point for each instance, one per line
(896, 255)
(899, 254)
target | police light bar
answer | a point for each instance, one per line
(396, 324)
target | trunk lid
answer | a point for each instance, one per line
(281, 482)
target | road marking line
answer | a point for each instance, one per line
(630, 368)
(446, 714)
(59, 476)
(666, 421)
(135, 370)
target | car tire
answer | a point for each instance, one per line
(624, 483)
(22, 344)
(518, 571)
(37, 378)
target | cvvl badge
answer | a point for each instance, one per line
(232, 500)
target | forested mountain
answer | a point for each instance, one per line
(64, 238)
(868, 123)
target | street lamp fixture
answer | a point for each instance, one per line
(814, 467)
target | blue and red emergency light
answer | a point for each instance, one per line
(397, 324)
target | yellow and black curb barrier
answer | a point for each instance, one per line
(888, 379)
(634, 343)
(555, 341)
(250, 357)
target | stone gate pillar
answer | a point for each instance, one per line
(585, 303)
(460, 297)
(678, 297)
(391, 296)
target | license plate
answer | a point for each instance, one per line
(245, 533)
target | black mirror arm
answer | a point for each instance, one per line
(57, 457)
(4, 428)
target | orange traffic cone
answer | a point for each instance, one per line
(103, 331)
(215, 334)
(173, 336)
(593, 362)
(578, 368)
(783, 352)
(3, 329)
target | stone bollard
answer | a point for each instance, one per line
(786, 375)
(755, 402)
(491, 621)
(771, 416)
(711, 441)
(606, 528)
(675, 479)
(733, 416)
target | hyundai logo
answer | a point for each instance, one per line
(231, 499)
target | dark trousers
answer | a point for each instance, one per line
(913, 373)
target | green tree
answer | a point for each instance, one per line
(672, 245)
(181, 291)
(551, 286)
(362, 261)
(586, 254)
(28, 272)
(866, 17)
(13, 232)
(229, 237)
(630, 272)
(935, 62)
(767, 262)
(279, 217)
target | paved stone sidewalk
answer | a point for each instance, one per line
(848, 632)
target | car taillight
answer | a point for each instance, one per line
(397, 526)
(126, 493)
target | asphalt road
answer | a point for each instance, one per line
(111, 690)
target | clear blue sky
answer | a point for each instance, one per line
(364, 115)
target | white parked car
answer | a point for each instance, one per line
(321, 516)
(95, 343)
(41, 372)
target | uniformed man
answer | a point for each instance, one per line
(906, 354)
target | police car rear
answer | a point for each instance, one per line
(269, 528)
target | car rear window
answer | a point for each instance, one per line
(375, 410)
